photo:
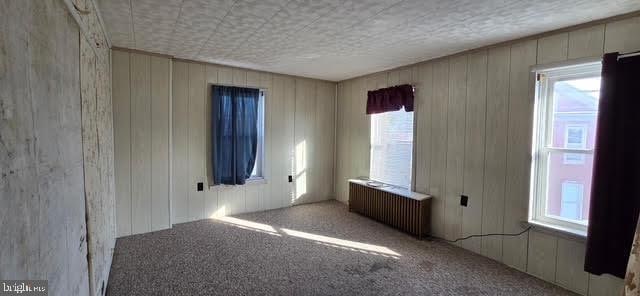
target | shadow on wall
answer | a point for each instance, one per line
(318, 239)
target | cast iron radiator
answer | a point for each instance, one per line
(406, 211)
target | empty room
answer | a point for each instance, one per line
(319, 147)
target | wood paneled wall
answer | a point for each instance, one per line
(473, 130)
(141, 104)
(162, 123)
(41, 165)
(97, 142)
(299, 141)
(56, 155)
(98, 157)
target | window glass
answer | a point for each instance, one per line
(559, 189)
(257, 168)
(575, 138)
(571, 206)
(392, 147)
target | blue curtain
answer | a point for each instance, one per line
(234, 135)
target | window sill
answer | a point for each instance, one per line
(256, 180)
(251, 181)
(557, 230)
(392, 189)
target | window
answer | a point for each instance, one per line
(575, 137)
(392, 148)
(237, 134)
(564, 134)
(572, 194)
(257, 168)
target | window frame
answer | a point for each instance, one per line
(542, 141)
(261, 176)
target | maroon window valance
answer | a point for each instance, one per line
(390, 99)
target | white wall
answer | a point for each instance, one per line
(98, 157)
(56, 153)
(162, 120)
(141, 102)
(299, 129)
(41, 185)
(473, 136)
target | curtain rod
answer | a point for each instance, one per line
(627, 55)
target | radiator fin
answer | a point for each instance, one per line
(406, 214)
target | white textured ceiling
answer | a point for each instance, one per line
(333, 39)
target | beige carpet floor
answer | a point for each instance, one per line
(314, 249)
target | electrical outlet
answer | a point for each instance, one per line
(464, 200)
(200, 186)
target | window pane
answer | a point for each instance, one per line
(391, 147)
(257, 168)
(568, 187)
(575, 106)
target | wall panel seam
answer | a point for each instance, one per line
(130, 151)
